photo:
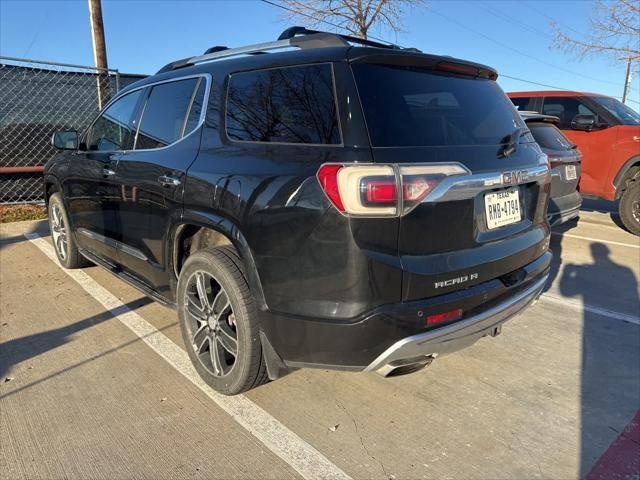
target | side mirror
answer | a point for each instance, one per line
(585, 123)
(65, 140)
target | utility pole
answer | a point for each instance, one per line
(99, 51)
(627, 81)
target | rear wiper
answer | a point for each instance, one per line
(511, 144)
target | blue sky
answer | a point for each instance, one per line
(514, 37)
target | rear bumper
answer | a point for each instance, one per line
(363, 343)
(458, 335)
(562, 209)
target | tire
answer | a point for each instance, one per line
(209, 328)
(629, 206)
(64, 242)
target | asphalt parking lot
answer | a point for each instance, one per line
(95, 384)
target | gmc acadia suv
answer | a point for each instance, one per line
(318, 201)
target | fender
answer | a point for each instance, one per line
(52, 179)
(226, 227)
(635, 160)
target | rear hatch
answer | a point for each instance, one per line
(475, 226)
(564, 157)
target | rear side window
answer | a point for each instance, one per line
(283, 105)
(548, 136)
(114, 129)
(566, 108)
(523, 104)
(411, 107)
(164, 118)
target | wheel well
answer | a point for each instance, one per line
(191, 238)
(623, 178)
(49, 189)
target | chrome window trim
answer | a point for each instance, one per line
(203, 113)
(255, 142)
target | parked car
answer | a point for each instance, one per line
(343, 204)
(564, 160)
(607, 133)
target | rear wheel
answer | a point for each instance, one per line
(63, 242)
(629, 206)
(218, 321)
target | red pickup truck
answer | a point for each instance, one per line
(607, 133)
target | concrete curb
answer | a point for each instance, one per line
(13, 229)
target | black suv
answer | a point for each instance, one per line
(340, 204)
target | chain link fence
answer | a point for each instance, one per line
(36, 99)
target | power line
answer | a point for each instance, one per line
(519, 52)
(269, 2)
(320, 20)
(551, 86)
(509, 19)
(539, 12)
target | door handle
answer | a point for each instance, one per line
(167, 181)
(107, 172)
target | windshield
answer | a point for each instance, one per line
(619, 110)
(413, 107)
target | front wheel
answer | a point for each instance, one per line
(218, 321)
(63, 242)
(629, 206)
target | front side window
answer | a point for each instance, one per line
(566, 108)
(114, 129)
(283, 105)
(165, 115)
(419, 107)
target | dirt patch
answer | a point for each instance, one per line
(18, 213)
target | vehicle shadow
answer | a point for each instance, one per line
(610, 374)
(556, 248)
(21, 349)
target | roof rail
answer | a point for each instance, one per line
(291, 32)
(299, 37)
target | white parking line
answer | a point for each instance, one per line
(301, 456)
(567, 302)
(631, 245)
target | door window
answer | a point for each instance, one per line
(283, 105)
(565, 108)
(165, 115)
(115, 127)
(523, 104)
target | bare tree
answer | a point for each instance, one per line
(355, 16)
(615, 31)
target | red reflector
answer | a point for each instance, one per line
(328, 177)
(380, 191)
(443, 317)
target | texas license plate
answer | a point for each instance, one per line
(502, 208)
(570, 172)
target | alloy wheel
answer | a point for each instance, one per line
(59, 231)
(211, 324)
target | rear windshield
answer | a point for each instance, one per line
(548, 136)
(411, 107)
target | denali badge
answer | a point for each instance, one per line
(456, 281)
(515, 177)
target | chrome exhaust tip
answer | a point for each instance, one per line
(405, 366)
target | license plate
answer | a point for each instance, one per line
(502, 208)
(570, 172)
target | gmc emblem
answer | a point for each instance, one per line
(513, 178)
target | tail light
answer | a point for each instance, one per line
(372, 190)
(554, 161)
